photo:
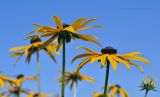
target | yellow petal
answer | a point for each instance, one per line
(90, 27)
(18, 48)
(70, 29)
(77, 23)
(139, 67)
(87, 21)
(58, 22)
(138, 58)
(104, 59)
(125, 62)
(88, 38)
(87, 78)
(112, 62)
(83, 63)
(87, 49)
(80, 56)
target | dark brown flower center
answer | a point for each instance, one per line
(108, 50)
(118, 86)
(36, 95)
(20, 76)
(33, 40)
(64, 25)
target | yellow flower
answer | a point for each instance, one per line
(110, 55)
(21, 78)
(96, 94)
(33, 47)
(33, 94)
(65, 31)
(117, 90)
(14, 91)
(74, 77)
(4, 79)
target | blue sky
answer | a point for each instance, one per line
(129, 25)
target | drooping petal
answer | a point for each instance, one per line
(18, 48)
(88, 38)
(49, 41)
(87, 49)
(87, 78)
(125, 62)
(104, 59)
(113, 62)
(83, 63)
(58, 22)
(138, 58)
(96, 58)
(133, 53)
(50, 54)
(80, 56)
(139, 67)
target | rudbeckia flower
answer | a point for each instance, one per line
(10, 81)
(110, 55)
(21, 78)
(96, 94)
(14, 92)
(33, 47)
(117, 90)
(74, 77)
(65, 31)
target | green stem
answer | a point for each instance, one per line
(38, 74)
(106, 80)
(63, 70)
(146, 93)
(19, 91)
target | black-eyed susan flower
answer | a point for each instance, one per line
(148, 84)
(73, 78)
(97, 94)
(109, 55)
(33, 47)
(64, 33)
(14, 92)
(4, 79)
(117, 90)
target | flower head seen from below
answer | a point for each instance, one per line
(117, 90)
(4, 79)
(21, 78)
(74, 77)
(14, 92)
(148, 83)
(34, 46)
(65, 31)
(96, 94)
(110, 55)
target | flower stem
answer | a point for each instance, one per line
(146, 93)
(106, 80)
(63, 69)
(19, 91)
(38, 74)
(75, 90)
